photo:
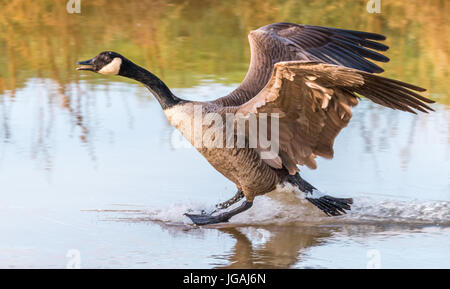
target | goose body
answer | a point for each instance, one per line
(243, 166)
(302, 83)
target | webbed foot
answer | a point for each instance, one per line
(206, 219)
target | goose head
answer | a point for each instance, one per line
(112, 63)
(107, 63)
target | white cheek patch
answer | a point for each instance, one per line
(112, 68)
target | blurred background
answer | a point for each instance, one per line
(74, 141)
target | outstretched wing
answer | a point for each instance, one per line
(278, 42)
(314, 103)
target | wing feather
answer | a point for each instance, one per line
(315, 101)
(284, 41)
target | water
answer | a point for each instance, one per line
(89, 174)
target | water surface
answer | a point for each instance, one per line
(87, 164)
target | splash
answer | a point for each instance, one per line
(281, 208)
(414, 212)
(286, 205)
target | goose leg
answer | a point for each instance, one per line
(331, 206)
(236, 198)
(204, 218)
(224, 205)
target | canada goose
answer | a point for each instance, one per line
(307, 78)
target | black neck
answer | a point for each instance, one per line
(159, 89)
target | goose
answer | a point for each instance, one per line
(303, 78)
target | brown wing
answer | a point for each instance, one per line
(314, 103)
(287, 42)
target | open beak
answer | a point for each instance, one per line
(86, 65)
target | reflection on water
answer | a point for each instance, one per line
(71, 142)
(292, 247)
(274, 248)
(302, 245)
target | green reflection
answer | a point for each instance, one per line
(186, 41)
